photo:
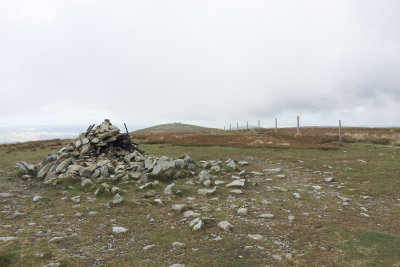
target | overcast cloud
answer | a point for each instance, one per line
(67, 64)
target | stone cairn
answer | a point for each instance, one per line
(102, 154)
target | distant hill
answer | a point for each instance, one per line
(175, 127)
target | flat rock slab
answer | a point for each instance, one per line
(7, 238)
(237, 183)
(6, 195)
(119, 230)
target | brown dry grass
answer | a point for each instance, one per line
(248, 139)
(325, 138)
(349, 134)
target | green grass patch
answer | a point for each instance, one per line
(366, 248)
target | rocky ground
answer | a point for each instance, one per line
(251, 208)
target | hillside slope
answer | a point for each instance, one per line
(175, 127)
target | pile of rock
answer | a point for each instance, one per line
(105, 153)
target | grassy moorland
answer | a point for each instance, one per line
(352, 221)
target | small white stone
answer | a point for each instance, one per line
(118, 230)
(115, 190)
(267, 215)
(7, 238)
(178, 207)
(117, 199)
(76, 199)
(177, 244)
(36, 198)
(148, 247)
(226, 226)
(277, 257)
(242, 211)
(190, 213)
(159, 201)
(296, 195)
(255, 236)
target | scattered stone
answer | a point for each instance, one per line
(328, 179)
(91, 200)
(115, 190)
(18, 214)
(168, 189)
(237, 183)
(242, 211)
(159, 201)
(255, 236)
(236, 191)
(150, 193)
(369, 197)
(177, 244)
(6, 195)
(243, 163)
(7, 238)
(207, 183)
(231, 165)
(148, 247)
(56, 238)
(117, 199)
(86, 182)
(265, 202)
(203, 175)
(178, 207)
(226, 226)
(190, 213)
(267, 215)
(277, 257)
(316, 187)
(215, 169)
(37, 198)
(76, 199)
(119, 230)
(280, 189)
(53, 264)
(296, 195)
(198, 225)
(218, 238)
(290, 217)
(273, 170)
(146, 186)
(206, 191)
(281, 176)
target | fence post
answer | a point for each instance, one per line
(224, 128)
(230, 126)
(237, 126)
(258, 125)
(340, 131)
(276, 125)
(298, 124)
(247, 125)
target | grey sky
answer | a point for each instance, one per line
(72, 63)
